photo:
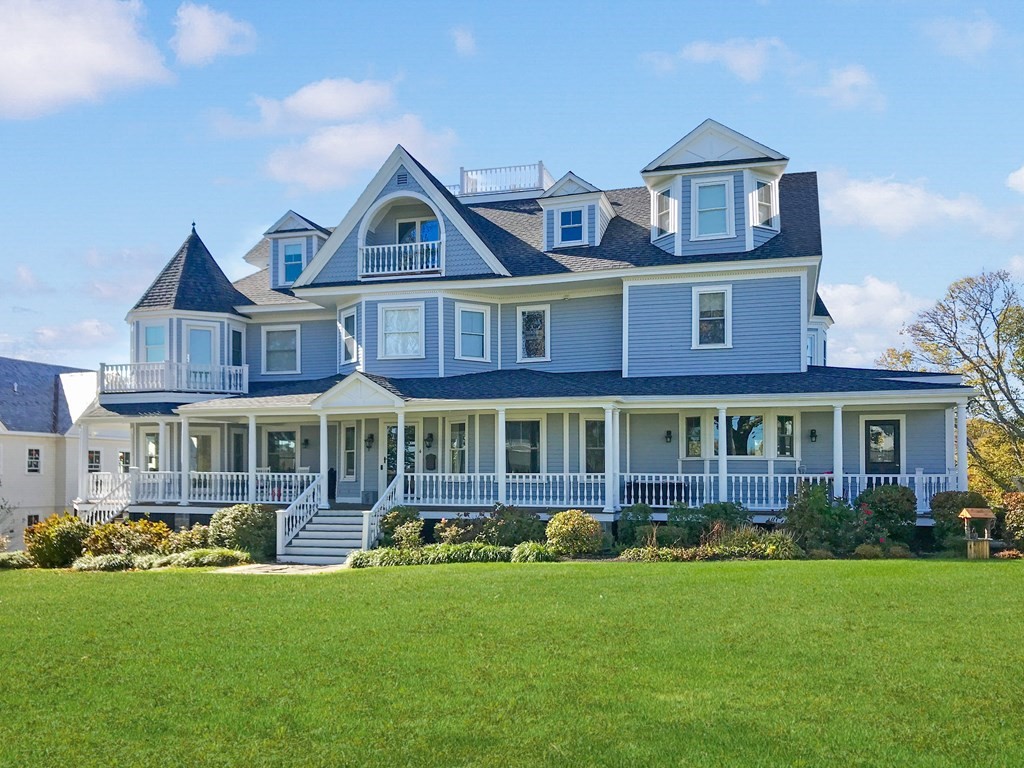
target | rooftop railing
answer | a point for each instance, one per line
(507, 178)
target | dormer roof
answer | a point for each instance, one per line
(570, 184)
(712, 144)
(192, 281)
(292, 223)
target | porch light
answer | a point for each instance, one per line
(428, 441)
(305, 442)
(668, 435)
(369, 441)
(814, 435)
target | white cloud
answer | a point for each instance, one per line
(465, 41)
(851, 87)
(748, 59)
(868, 318)
(55, 52)
(25, 280)
(896, 208)
(81, 334)
(1015, 180)
(202, 34)
(331, 100)
(333, 156)
(962, 38)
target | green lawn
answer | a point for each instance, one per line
(803, 663)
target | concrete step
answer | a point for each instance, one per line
(313, 559)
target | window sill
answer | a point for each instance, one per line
(723, 236)
(655, 236)
(473, 359)
(765, 226)
(711, 346)
(401, 357)
(533, 359)
(279, 373)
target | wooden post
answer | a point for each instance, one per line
(324, 460)
(837, 452)
(186, 463)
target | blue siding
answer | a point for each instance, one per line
(453, 367)
(574, 442)
(591, 225)
(720, 245)
(460, 257)
(586, 334)
(555, 438)
(817, 456)
(319, 350)
(549, 229)
(924, 438)
(762, 235)
(487, 426)
(667, 242)
(766, 328)
(602, 221)
(415, 368)
(648, 450)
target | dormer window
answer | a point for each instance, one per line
(292, 262)
(570, 227)
(418, 231)
(712, 208)
(664, 222)
(766, 211)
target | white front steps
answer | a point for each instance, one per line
(329, 537)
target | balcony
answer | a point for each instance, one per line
(126, 378)
(507, 178)
(402, 260)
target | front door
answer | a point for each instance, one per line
(200, 357)
(882, 447)
(201, 458)
(389, 468)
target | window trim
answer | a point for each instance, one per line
(232, 330)
(419, 228)
(345, 476)
(656, 231)
(420, 307)
(99, 461)
(559, 242)
(343, 314)
(520, 309)
(771, 445)
(449, 450)
(730, 207)
(902, 419)
(542, 453)
(39, 468)
(281, 244)
(145, 347)
(583, 444)
(695, 295)
(461, 307)
(298, 348)
(755, 205)
(123, 466)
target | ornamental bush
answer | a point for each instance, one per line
(1013, 524)
(396, 516)
(819, 522)
(218, 557)
(946, 508)
(699, 522)
(507, 525)
(890, 513)
(111, 561)
(432, 554)
(409, 535)
(1010, 554)
(633, 518)
(663, 535)
(533, 552)
(573, 533)
(868, 552)
(57, 541)
(251, 528)
(196, 537)
(461, 529)
(12, 560)
(744, 542)
(132, 537)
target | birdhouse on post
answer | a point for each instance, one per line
(978, 546)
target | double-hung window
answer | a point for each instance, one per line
(347, 328)
(95, 461)
(281, 349)
(693, 437)
(349, 452)
(570, 227)
(457, 447)
(292, 262)
(593, 446)
(712, 209)
(522, 447)
(664, 222)
(472, 340)
(237, 347)
(766, 209)
(401, 331)
(153, 343)
(124, 461)
(34, 461)
(533, 334)
(712, 316)
(784, 437)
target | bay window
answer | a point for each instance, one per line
(153, 344)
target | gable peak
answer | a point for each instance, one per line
(712, 143)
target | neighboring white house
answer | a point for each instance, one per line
(40, 463)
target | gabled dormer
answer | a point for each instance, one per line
(576, 213)
(294, 241)
(714, 191)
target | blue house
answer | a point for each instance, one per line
(519, 339)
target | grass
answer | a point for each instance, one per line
(911, 663)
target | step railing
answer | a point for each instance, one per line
(372, 517)
(111, 505)
(401, 258)
(291, 519)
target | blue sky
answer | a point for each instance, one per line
(121, 123)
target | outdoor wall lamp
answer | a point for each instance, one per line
(814, 435)
(668, 435)
(428, 441)
(369, 441)
(305, 442)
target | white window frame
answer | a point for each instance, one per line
(232, 330)
(281, 244)
(99, 461)
(656, 232)
(186, 338)
(419, 228)
(795, 416)
(546, 309)
(695, 295)
(384, 307)
(298, 348)
(346, 448)
(730, 212)
(583, 444)
(486, 312)
(123, 466)
(145, 346)
(465, 446)
(755, 206)
(342, 316)
(39, 466)
(559, 242)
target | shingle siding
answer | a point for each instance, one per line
(586, 334)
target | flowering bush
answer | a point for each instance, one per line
(409, 535)
(889, 512)
(819, 522)
(1013, 525)
(574, 532)
(1010, 554)
(505, 525)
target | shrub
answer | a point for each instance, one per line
(898, 552)
(508, 525)
(868, 552)
(111, 561)
(889, 512)
(741, 543)
(57, 541)
(409, 535)
(574, 532)
(946, 507)
(533, 552)
(196, 537)
(133, 537)
(5, 542)
(664, 535)
(432, 554)
(219, 557)
(12, 560)
(820, 554)
(819, 522)
(1013, 523)
(634, 517)
(251, 528)
(700, 521)
(1006, 554)
(396, 516)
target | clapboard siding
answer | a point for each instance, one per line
(763, 235)
(766, 329)
(453, 367)
(349, 367)
(718, 245)
(414, 368)
(667, 242)
(586, 334)
(318, 349)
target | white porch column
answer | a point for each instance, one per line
(618, 458)
(323, 461)
(609, 459)
(253, 458)
(837, 451)
(83, 461)
(961, 446)
(186, 464)
(723, 457)
(499, 455)
(400, 456)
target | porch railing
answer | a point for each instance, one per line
(923, 485)
(173, 377)
(157, 487)
(221, 487)
(401, 259)
(101, 483)
(282, 487)
(550, 489)
(507, 178)
(451, 488)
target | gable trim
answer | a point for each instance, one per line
(353, 380)
(709, 125)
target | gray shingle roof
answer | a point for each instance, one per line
(257, 290)
(192, 280)
(820, 310)
(39, 404)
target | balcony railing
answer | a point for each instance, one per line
(507, 178)
(173, 377)
(401, 259)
